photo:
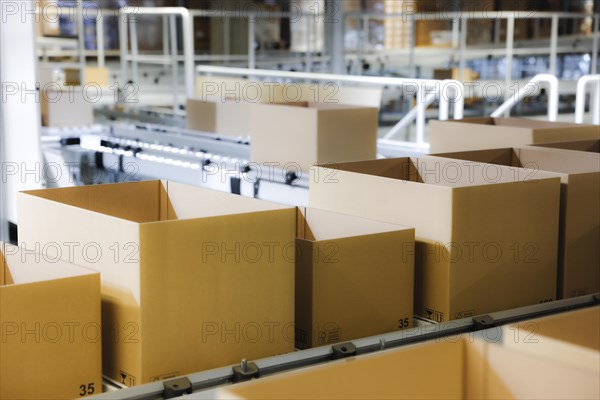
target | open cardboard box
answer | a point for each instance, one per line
(484, 242)
(66, 107)
(354, 277)
(488, 133)
(578, 251)
(192, 279)
(592, 146)
(299, 135)
(50, 318)
(467, 367)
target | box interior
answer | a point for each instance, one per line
(532, 158)
(436, 171)
(515, 122)
(592, 146)
(154, 201)
(19, 267)
(315, 225)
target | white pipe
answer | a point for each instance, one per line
(582, 85)
(411, 116)
(530, 87)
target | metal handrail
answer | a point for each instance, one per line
(529, 89)
(582, 86)
(426, 89)
(188, 43)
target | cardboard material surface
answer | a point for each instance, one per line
(192, 279)
(483, 241)
(354, 277)
(50, 318)
(592, 146)
(579, 253)
(303, 134)
(489, 133)
(67, 107)
(458, 369)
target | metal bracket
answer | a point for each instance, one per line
(245, 371)
(343, 350)
(177, 387)
(484, 322)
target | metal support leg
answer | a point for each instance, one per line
(251, 49)
(412, 66)
(81, 41)
(100, 41)
(123, 47)
(134, 52)
(510, 35)
(463, 49)
(594, 67)
(553, 45)
(174, 61)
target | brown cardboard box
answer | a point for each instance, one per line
(354, 277)
(578, 251)
(484, 242)
(592, 146)
(489, 133)
(456, 369)
(192, 279)
(454, 73)
(224, 105)
(66, 107)
(91, 75)
(50, 318)
(303, 134)
(231, 118)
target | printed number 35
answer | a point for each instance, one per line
(85, 390)
(403, 323)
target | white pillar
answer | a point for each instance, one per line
(20, 112)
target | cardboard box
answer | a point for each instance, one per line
(354, 277)
(592, 146)
(457, 369)
(91, 75)
(224, 106)
(50, 318)
(303, 134)
(192, 279)
(484, 242)
(578, 251)
(454, 73)
(66, 107)
(490, 133)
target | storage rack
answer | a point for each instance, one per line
(482, 325)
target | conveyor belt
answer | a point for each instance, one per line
(217, 377)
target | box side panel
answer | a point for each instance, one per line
(592, 146)
(560, 161)
(103, 244)
(283, 135)
(304, 294)
(201, 115)
(363, 286)
(405, 373)
(133, 201)
(222, 286)
(445, 136)
(347, 134)
(504, 246)
(574, 132)
(581, 233)
(51, 337)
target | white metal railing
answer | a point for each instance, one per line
(530, 89)
(459, 33)
(127, 22)
(582, 86)
(427, 90)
